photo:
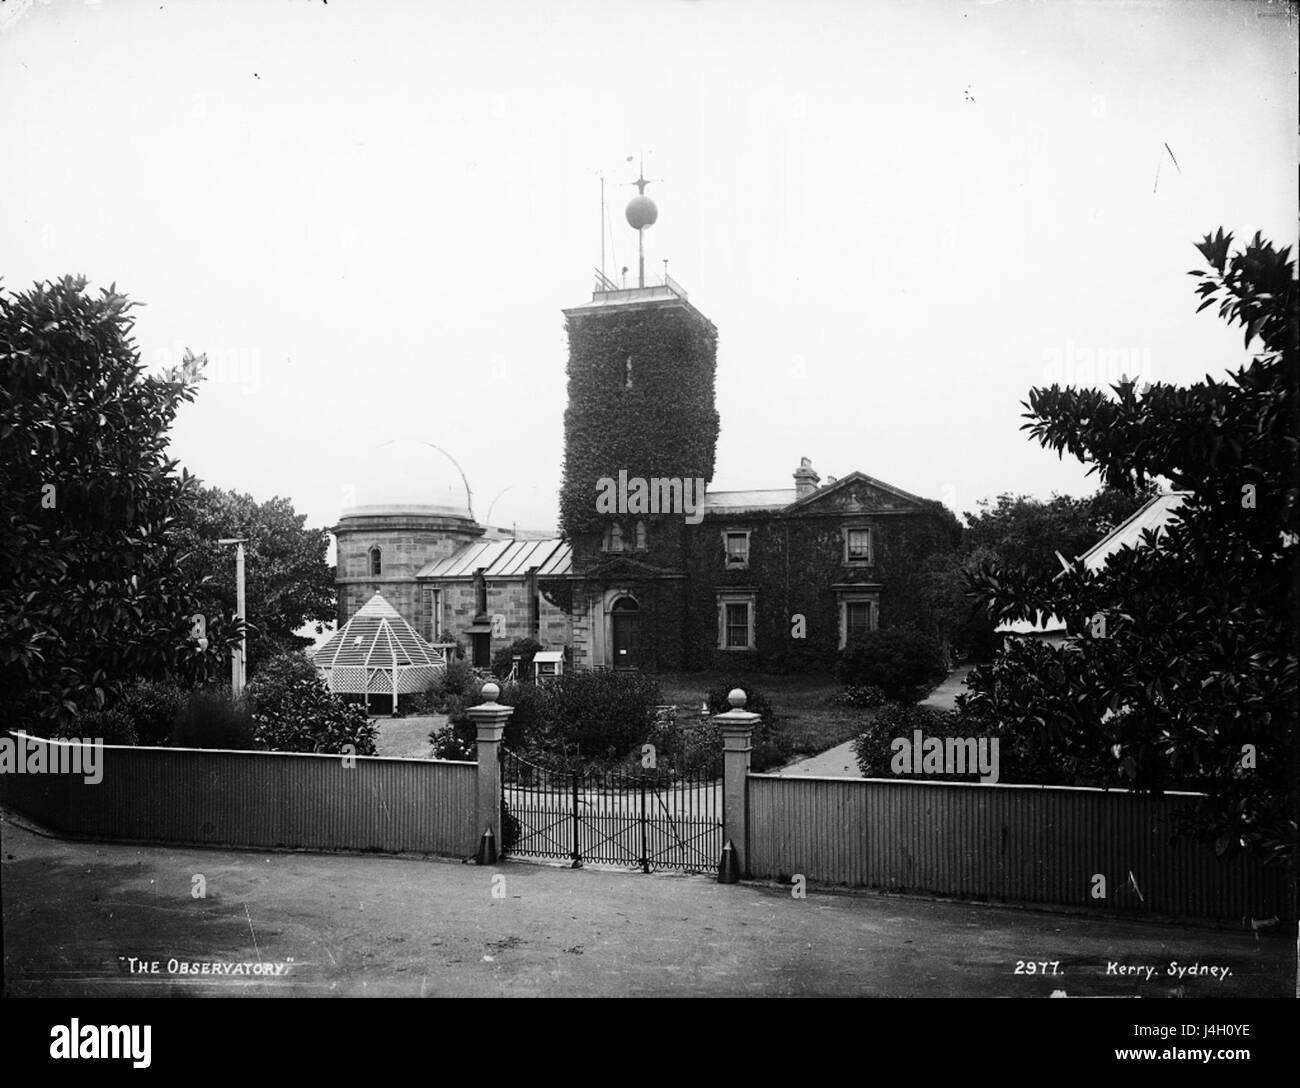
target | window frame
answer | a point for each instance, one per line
(855, 595)
(727, 564)
(848, 558)
(375, 561)
(749, 599)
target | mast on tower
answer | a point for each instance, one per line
(641, 213)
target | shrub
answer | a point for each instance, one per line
(504, 659)
(153, 707)
(595, 717)
(903, 662)
(873, 747)
(293, 711)
(449, 742)
(210, 719)
(111, 726)
(457, 678)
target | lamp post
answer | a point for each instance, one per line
(240, 655)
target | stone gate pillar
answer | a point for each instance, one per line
(490, 718)
(737, 726)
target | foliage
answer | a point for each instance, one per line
(294, 711)
(287, 581)
(608, 426)
(863, 696)
(112, 726)
(450, 742)
(1188, 644)
(872, 748)
(91, 594)
(152, 707)
(504, 659)
(211, 719)
(457, 679)
(902, 662)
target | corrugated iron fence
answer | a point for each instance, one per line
(267, 799)
(1027, 844)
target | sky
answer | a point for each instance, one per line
(900, 216)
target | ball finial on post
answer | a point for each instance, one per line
(737, 698)
(490, 692)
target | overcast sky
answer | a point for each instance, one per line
(900, 216)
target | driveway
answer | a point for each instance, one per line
(93, 919)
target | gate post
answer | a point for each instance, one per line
(737, 726)
(490, 718)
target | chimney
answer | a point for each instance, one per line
(805, 479)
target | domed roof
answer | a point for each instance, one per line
(407, 476)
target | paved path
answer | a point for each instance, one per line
(74, 912)
(840, 762)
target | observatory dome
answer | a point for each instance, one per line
(406, 476)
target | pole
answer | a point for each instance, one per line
(640, 253)
(238, 665)
(602, 232)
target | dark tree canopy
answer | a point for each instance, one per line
(1183, 662)
(91, 596)
(287, 581)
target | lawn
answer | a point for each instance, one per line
(802, 703)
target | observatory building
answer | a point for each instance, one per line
(652, 569)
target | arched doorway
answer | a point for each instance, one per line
(625, 633)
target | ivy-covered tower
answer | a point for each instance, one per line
(640, 435)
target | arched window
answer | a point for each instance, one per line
(627, 380)
(616, 537)
(376, 560)
(640, 536)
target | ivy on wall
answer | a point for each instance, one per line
(663, 425)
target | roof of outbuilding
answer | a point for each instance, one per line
(376, 636)
(503, 559)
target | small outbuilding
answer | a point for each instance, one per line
(378, 653)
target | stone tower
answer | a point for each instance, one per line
(641, 407)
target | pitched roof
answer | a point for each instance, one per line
(787, 498)
(1155, 513)
(376, 637)
(503, 559)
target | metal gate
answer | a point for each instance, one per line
(660, 819)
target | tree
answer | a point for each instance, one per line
(1025, 532)
(1182, 663)
(91, 596)
(287, 581)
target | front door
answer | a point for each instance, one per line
(482, 651)
(625, 628)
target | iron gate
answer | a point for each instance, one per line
(661, 819)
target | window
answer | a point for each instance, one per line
(480, 593)
(616, 537)
(859, 612)
(857, 618)
(376, 561)
(735, 544)
(857, 545)
(640, 536)
(627, 379)
(433, 602)
(735, 621)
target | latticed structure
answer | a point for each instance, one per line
(378, 653)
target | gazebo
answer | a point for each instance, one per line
(378, 653)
